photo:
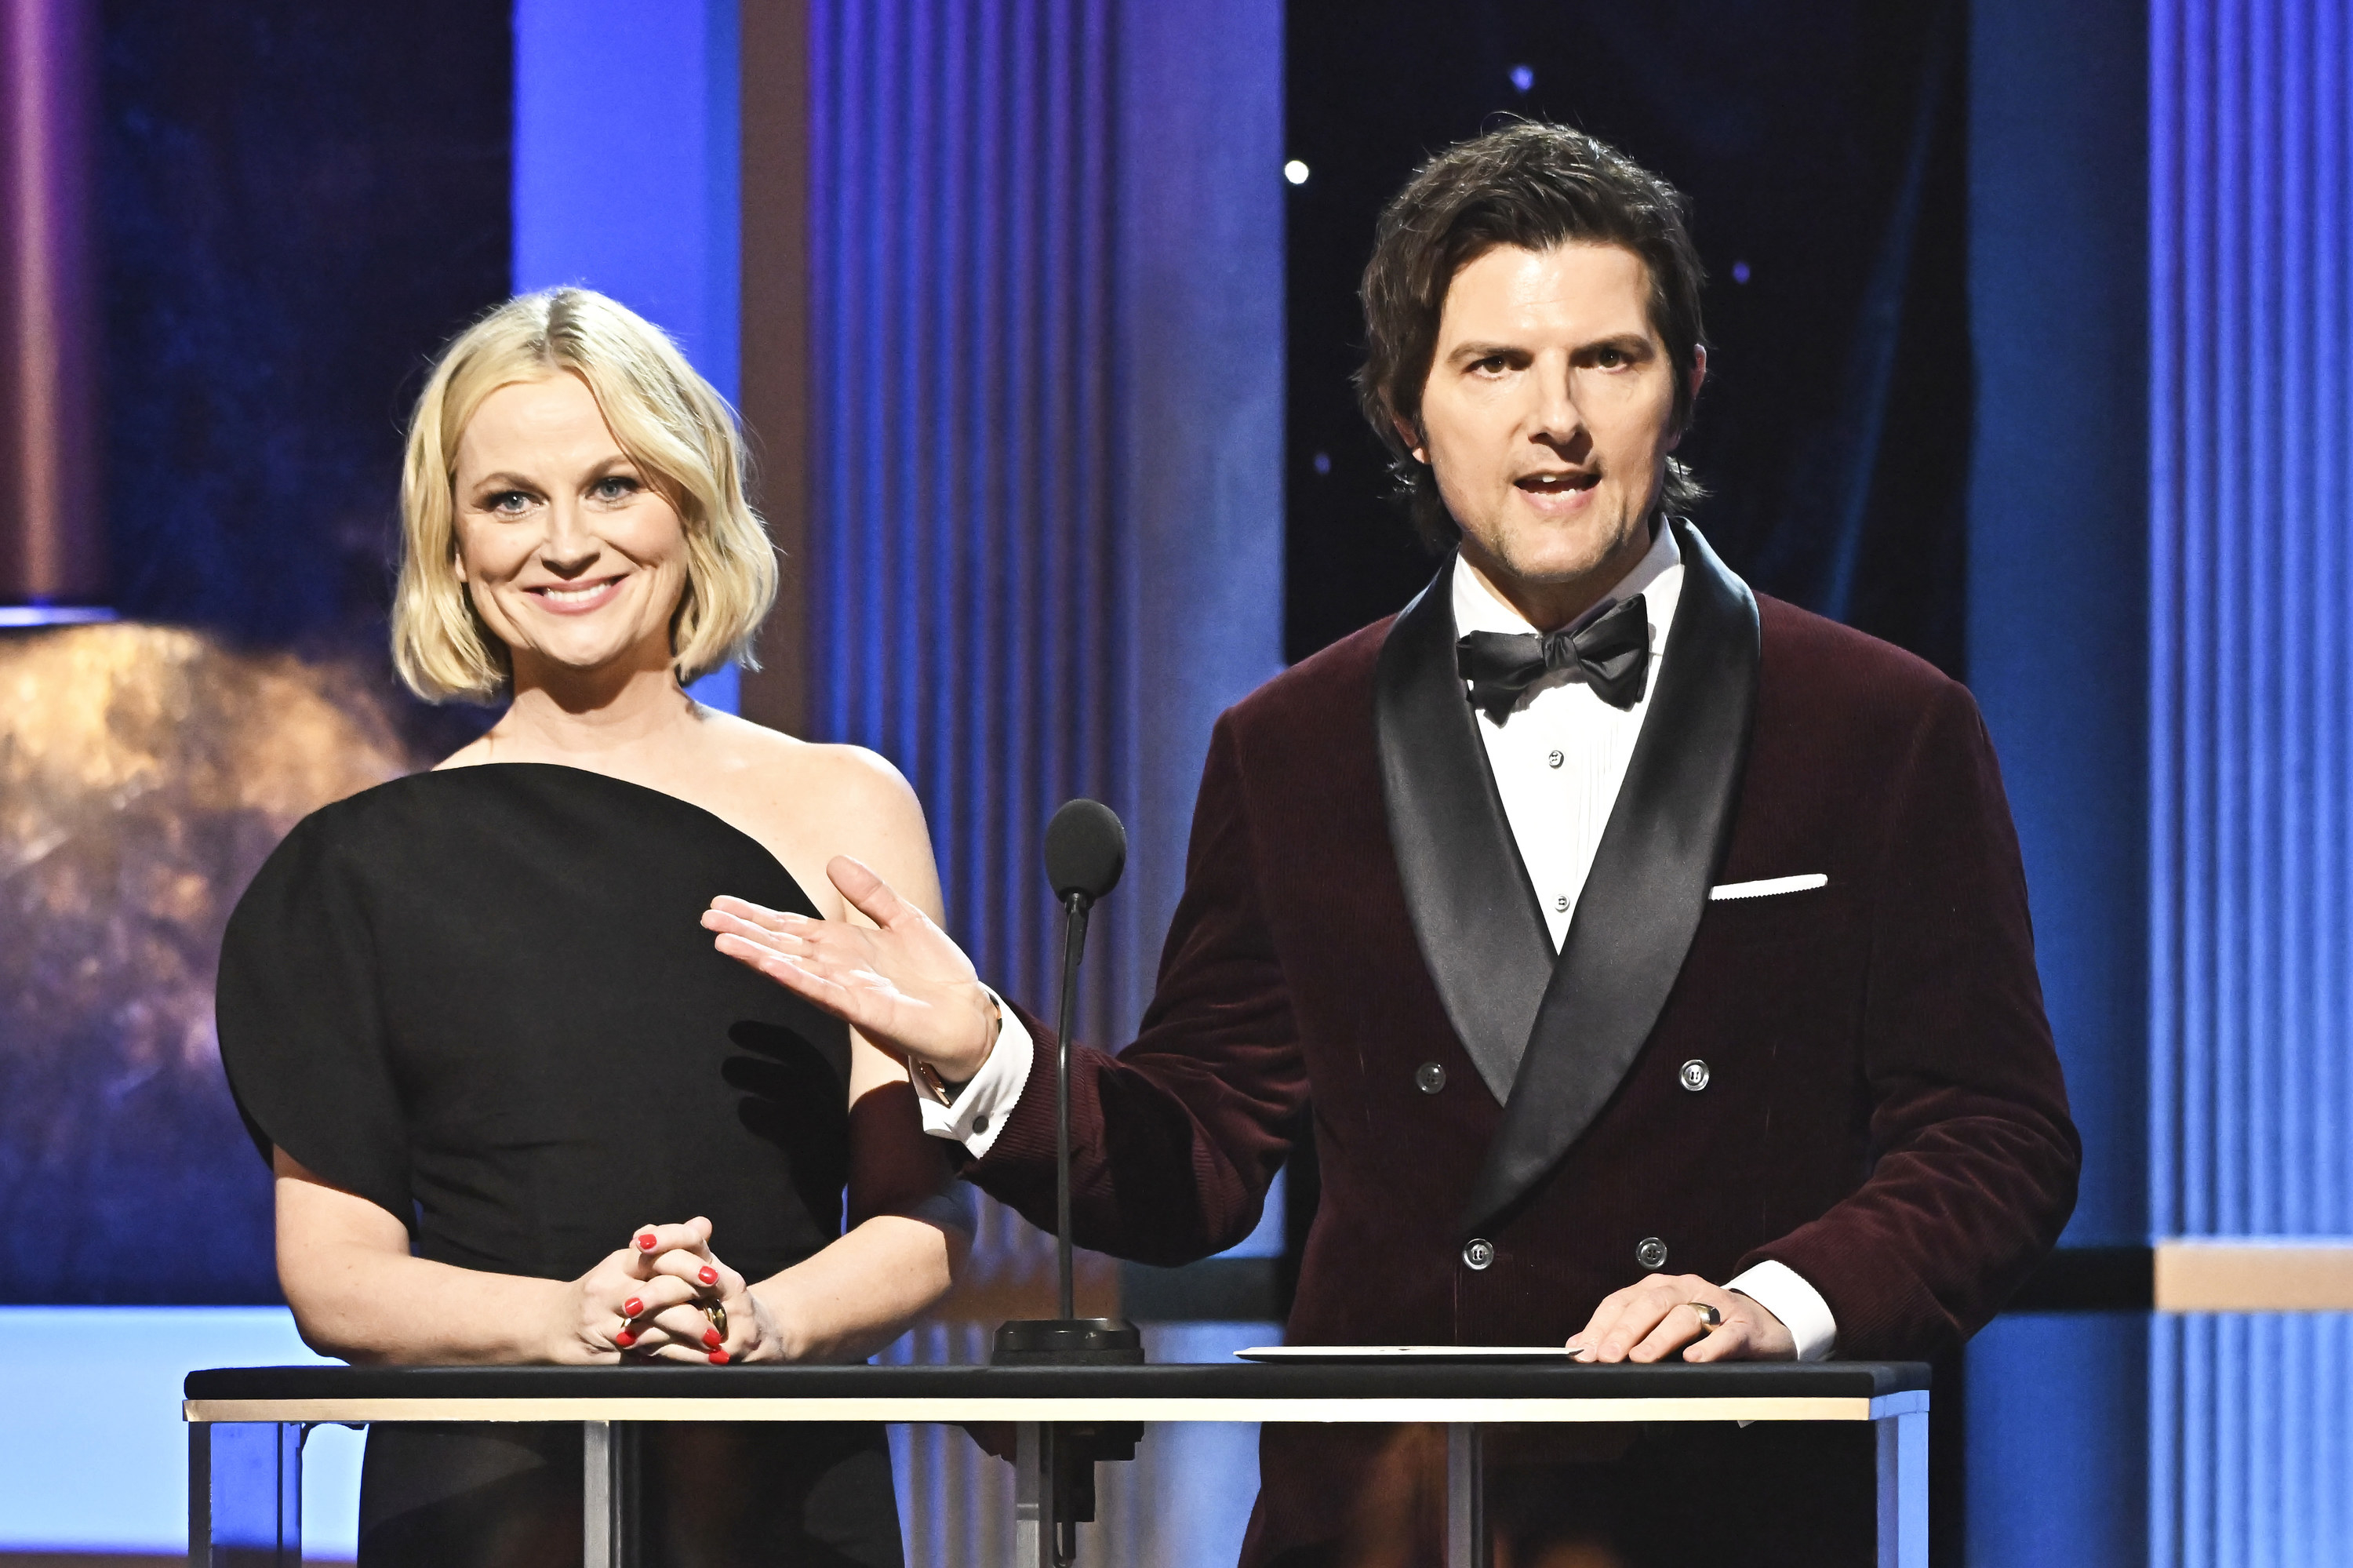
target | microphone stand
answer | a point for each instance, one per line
(1074, 942)
(1068, 1451)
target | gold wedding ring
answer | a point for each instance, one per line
(718, 1315)
(1710, 1319)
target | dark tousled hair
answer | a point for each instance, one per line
(1533, 185)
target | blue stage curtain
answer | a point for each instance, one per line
(1046, 535)
(1046, 274)
(2058, 641)
(2251, 650)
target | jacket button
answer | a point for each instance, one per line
(1649, 1252)
(1479, 1253)
(1693, 1075)
(1430, 1077)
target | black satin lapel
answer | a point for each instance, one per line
(1474, 913)
(1648, 887)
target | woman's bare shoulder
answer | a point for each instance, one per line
(821, 778)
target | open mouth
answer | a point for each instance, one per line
(1565, 484)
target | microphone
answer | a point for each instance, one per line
(1086, 850)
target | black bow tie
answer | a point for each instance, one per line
(1613, 650)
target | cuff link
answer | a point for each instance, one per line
(939, 1088)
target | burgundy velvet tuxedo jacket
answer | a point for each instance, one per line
(1882, 1111)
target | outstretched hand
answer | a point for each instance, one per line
(902, 983)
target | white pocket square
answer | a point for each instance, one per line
(1766, 888)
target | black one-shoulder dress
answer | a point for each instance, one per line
(482, 1000)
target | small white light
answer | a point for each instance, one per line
(1295, 172)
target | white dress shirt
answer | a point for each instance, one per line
(1559, 757)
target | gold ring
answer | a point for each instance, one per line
(1710, 1319)
(718, 1315)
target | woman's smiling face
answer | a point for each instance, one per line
(573, 560)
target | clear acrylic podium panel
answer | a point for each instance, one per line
(247, 1425)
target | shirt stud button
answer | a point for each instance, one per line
(1430, 1077)
(1555, 759)
(1694, 1075)
(1479, 1253)
(1650, 1253)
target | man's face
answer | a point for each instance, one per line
(1547, 418)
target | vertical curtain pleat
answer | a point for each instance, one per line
(971, 574)
(2251, 777)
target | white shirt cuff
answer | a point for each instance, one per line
(980, 1107)
(1783, 1291)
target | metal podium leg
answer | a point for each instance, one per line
(245, 1494)
(1902, 1490)
(608, 1493)
(1033, 1532)
(1466, 1496)
(200, 1494)
(598, 1541)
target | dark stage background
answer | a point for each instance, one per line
(1971, 261)
(301, 203)
(1822, 147)
(298, 202)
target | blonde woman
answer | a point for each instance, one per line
(517, 1108)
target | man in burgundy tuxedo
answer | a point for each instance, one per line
(1646, 952)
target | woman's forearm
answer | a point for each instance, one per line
(370, 1307)
(358, 1293)
(864, 1290)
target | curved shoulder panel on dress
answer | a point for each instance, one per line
(300, 1034)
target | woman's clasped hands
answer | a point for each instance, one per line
(668, 1296)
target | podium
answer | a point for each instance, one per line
(246, 1425)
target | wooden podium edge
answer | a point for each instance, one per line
(985, 1409)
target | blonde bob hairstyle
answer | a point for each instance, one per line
(676, 428)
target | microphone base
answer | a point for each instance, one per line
(1067, 1342)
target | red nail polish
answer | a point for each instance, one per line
(720, 1358)
(713, 1338)
(632, 1307)
(708, 1275)
(625, 1338)
(645, 1244)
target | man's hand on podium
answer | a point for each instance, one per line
(1649, 1320)
(900, 982)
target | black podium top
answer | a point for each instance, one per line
(1222, 1392)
